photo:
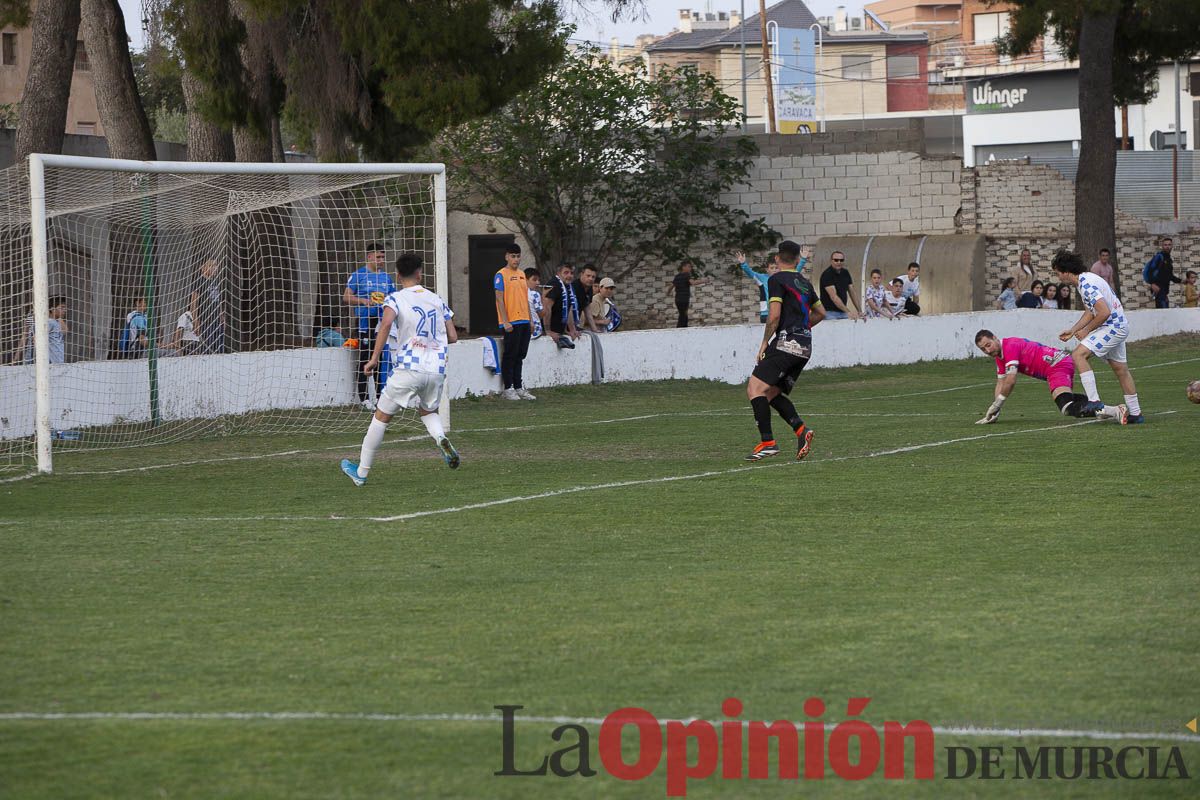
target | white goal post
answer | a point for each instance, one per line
(197, 297)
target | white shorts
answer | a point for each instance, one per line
(408, 389)
(1107, 342)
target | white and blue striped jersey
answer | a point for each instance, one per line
(1092, 288)
(418, 340)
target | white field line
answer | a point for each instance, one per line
(641, 481)
(919, 394)
(422, 437)
(323, 716)
(518, 428)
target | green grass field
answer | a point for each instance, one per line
(1036, 573)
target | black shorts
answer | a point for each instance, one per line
(779, 369)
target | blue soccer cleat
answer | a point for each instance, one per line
(351, 469)
(448, 453)
(1135, 419)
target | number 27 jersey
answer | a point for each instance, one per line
(418, 337)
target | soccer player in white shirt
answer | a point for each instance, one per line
(418, 324)
(1101, 331)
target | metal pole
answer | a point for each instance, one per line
(742, 35)
(818, 68)
(148, 291)
(766, 65)
(441, 257)
(1178, 144)
(862, 103)
(41, 312)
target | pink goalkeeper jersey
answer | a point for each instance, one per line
(1030, 358)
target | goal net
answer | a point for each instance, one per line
(146, 303)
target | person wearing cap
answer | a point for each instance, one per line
(602, 309)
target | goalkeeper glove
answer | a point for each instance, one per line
(993, 411)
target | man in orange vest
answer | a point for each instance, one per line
(512, 309)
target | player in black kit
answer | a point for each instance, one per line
(793, 309)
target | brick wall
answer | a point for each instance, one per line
(844, 183)
(880, 182)
(1019, 205)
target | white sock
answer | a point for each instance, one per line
(1088, 379)
(1131, 401)
(433, 424)
(370, 444)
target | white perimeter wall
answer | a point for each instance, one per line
(104, 392)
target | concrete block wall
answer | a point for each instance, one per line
(844, 183)
(1018, 205)
(852, 194)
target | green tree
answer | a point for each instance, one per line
(383, 75)
(1119, 45)
(596, 162)
(159, 80)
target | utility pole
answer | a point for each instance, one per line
(766, 65)
(1178, 144)
(742, 35)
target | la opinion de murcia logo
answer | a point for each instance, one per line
(987, 97)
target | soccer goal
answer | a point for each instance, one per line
(143, 303)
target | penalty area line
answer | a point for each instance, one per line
(333, 716)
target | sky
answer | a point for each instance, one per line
(591, 17)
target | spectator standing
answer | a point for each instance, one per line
(1189, 290)
(512, 309)
(1032, 298)
(911, 281)
(537, 310)
(1023, 273)
(57, 331)
(875, 303)
(562, 308)
(366, 290)
(681, 285)
(603, 310)
(134, 341)
(1103, 266)
(761, 278)
(1160, 273)
(1008, 296)
(584, 287)
(1050, 296)
(836, 296)
(895, 298)
(208, 307)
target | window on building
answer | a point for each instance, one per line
(692, 65)
(10, 49)
(856, 67)
(906, 66)
(85, 128)
(81, 58)
(990, 27)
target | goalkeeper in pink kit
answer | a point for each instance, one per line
(1027, 357)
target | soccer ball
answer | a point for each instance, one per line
(1194, 391)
